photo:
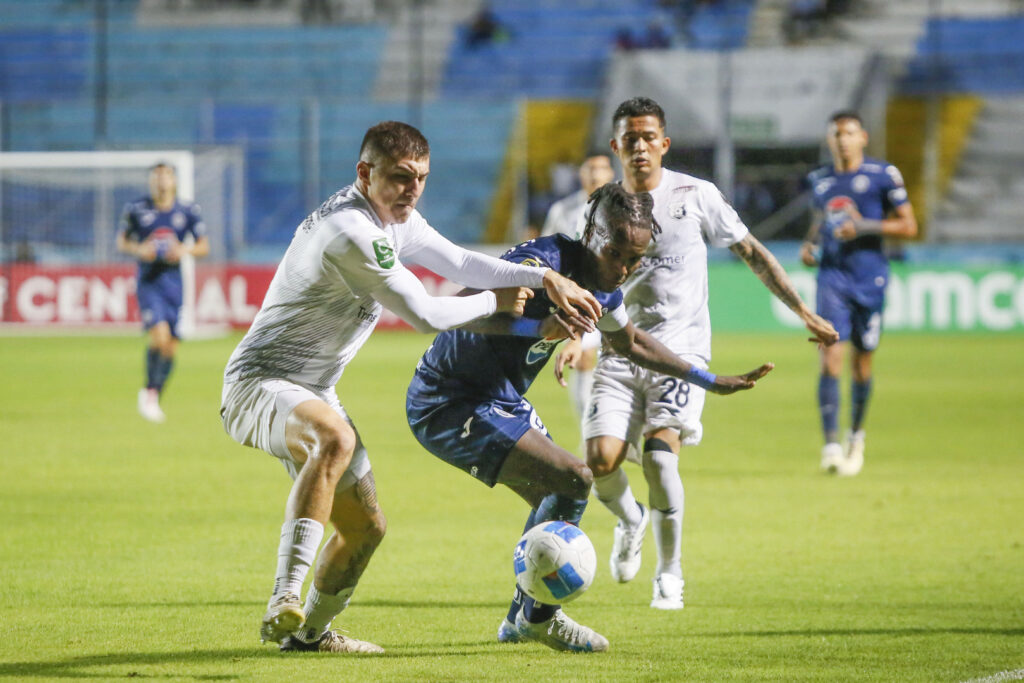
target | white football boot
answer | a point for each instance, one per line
(561, 633)
(853, 462)
(284, 616)
(831, 457)
(508, 633)
(149, 405)
(331, 641)
(626, 556)
(668, 592)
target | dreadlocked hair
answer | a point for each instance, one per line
(623, 210)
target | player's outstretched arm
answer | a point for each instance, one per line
(773, 275)
(646, 351)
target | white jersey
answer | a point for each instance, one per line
(566, 216)
(319, 311)
(668, 293)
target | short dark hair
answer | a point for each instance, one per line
(393, 140)
(638, 106)
(624, 210)
(846, 114)
(163, 164)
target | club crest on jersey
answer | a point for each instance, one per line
(384, 252)
(178, 220)
(532, 261)
(677, 209)
(860, 183)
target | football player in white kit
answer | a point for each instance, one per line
(667, 296)
(324, 301)
(566, 216)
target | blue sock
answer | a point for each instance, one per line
(561, 508)
(828, 405)
(860, 392)
(163, 371)
(517, 598)
(152, 367)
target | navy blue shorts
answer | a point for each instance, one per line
(855, 310)
(472, 434)
(159, 301)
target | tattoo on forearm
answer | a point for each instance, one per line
(768, 270)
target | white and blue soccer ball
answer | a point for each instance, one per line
(554, 562)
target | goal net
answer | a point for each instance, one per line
(59, 216)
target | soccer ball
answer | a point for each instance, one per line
(554, 562)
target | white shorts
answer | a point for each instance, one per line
(255, 412)
(628, 401)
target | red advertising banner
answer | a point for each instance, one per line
(105, 295)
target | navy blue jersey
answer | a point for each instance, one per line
(503, 366)
(142, 221)
(873, 190)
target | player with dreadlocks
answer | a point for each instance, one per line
(465, 403)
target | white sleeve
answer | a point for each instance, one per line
(468, 268)
(402, 293)
(615, 320)
(361, 255)
(722, 226)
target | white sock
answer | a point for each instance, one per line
(613, 491)
(580, 384)
(661, 469)
(300, 539)
(320, 610)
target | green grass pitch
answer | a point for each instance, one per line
(147, 551)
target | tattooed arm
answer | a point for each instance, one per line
(766, 267)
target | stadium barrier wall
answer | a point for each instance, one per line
(919, 297)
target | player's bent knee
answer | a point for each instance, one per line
(580, 482)
(335, 446)
(604, 455)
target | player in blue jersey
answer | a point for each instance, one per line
(153, 230)
(465, 403)
(858, 201)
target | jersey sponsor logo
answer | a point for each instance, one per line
(365, 315)
(860, 183)
(384, 252)
(541, 350)
(840, 208)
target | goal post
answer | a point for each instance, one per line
(62, 209)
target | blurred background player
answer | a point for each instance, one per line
(666, 297)
(566, 217)
(343, 265)
(153, 230)
(858, 202)
(465, 403)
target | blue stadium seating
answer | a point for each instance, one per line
(984, 56)
(560, 49)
